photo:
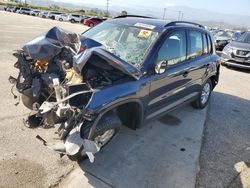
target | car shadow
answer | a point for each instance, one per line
(225, 148)
(166, 148)
(237, 69)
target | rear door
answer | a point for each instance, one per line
(170, 88)
(198, 56)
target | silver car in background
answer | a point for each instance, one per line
(43, 14)
(237, 53)
(34, 12)
(24, 11)
(73, 18)
(61, 17)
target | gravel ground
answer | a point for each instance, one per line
(225, 154)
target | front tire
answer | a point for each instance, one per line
(91, 25)
(108, 126)
(204, 96)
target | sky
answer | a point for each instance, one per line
(238, 7)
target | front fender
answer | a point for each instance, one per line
(110, 96)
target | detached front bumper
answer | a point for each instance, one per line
(235, 61)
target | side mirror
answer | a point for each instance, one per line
(160, 67)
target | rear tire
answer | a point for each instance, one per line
(204, 96)
(60, 19)
(72, 21)
(108, 122)
(91, 25)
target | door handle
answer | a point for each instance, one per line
(185, 74)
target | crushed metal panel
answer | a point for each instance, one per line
(48, 45)
(90, 148)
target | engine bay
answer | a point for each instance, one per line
(56, 82)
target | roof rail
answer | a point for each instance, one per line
(137, 16)
(184, 22)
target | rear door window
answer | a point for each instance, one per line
(205, 42)
(196, 44)
(210, 44)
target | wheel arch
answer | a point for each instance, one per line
(215, 77)
(132, 120)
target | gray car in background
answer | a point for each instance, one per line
(23, 10)
(43, 14)
(52, 15)
(237, 53)
(222, 38)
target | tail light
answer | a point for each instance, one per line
(82, 49)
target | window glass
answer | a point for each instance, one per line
(127, 42)
(210, 44)
(196, 48)
(205, 49)
(174, 48)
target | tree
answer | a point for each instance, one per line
(82, 11)
(124, 13)
(54, 6)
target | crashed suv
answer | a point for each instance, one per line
(124, 71)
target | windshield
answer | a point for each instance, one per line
(245, 38)
(224, 34)
(127, 42)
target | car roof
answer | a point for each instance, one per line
(153, 23)
(157, 23)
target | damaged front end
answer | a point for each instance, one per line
(56, 84)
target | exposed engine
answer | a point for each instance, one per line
(56, 83)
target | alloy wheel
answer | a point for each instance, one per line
(205, 93)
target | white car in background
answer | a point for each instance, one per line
(52, 15)
(43, 14)
(34, 12)
(62, 17)
(73, 18)
(23, 10)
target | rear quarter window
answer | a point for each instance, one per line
(210, 44)
(205, 44)
(196, 44)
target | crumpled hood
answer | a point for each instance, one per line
(240, 45)
(114, 61)
(50, 44)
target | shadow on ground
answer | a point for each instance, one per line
(237, 69)
(163, 153)
(225, 153)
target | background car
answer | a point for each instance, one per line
(8, 8)
(83, 18)
(52, 15)
(236, 35)
(222, 38)
(43, 14)
(24, 11)
(237, 53)
(34, 12)
(61, 17)
(75, 18)
(14, 9)
(91, 22)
